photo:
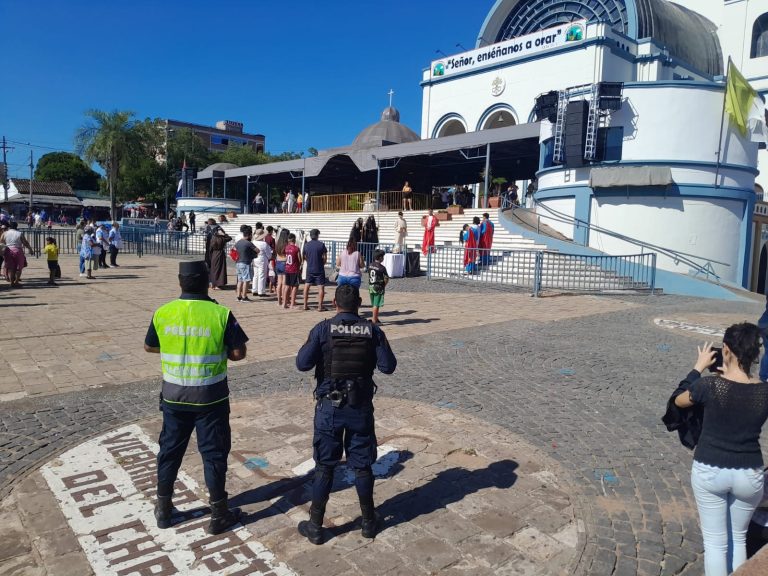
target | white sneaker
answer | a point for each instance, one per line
(82, 275)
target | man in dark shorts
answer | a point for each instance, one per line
(316, 254)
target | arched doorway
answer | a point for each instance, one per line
(451, 128)
(761, 269)
(498, 119)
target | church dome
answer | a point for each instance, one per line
(388, 130)
(686, 34)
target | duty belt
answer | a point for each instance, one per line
(350, 393)
(337, 397)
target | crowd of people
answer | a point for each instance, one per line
(268, 262)
(273, 262)
(293, 203)
(96, 241)
(477, 240)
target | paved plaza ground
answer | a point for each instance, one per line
(517, 436)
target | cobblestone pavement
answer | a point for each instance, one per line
(587, 390)
(458, 496)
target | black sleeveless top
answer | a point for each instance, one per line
(734, 414)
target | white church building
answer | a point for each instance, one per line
(630, 95)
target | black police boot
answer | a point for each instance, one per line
(371, 521)
(163, 511)
(312, 529)
(222, 517)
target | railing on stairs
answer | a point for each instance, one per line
(537, 270)
(699, 264)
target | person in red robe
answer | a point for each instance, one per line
(428, 243)
(486, 239)
(471, 240)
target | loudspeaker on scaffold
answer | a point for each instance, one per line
(575, 132)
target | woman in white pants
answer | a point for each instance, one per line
(727, 471)
(261, 264)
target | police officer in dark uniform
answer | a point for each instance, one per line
(195, 337)
(344, 351)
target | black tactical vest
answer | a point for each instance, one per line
(350, 352)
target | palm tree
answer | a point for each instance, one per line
(108, 138)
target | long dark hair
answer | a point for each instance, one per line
(282, 241)
(744, 341)
(351, 246)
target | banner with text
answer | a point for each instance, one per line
(509, 49)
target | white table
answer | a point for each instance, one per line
(395, 265)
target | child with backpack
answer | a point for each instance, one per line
(377, 282)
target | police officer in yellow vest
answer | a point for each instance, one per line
(194, 337)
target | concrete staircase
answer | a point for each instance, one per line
(336, 226)
(513, 261)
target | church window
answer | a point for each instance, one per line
(760, 37)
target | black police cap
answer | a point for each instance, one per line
(193, 268)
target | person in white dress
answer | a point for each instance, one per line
(261, 263)
(401, 231)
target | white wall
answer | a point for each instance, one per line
(470, 96)
(678, 123)
(681, 124)
(709, 228)
(564, 206)
(736, 39)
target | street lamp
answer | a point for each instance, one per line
(168, 132)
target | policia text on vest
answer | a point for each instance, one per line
(344, 352)
(195, 338)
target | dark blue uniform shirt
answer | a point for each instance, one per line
(311, 353)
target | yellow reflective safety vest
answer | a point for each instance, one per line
(192, 352)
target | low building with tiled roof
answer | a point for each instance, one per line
(48, 195)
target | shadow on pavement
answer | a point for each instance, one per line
(297, 491)
(446, 487)
(397, 312)
(407, 321)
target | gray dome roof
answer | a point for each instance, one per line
(387, 130)
(687, 35)
(391, 113)
(221, 166)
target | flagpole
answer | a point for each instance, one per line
(722, 124)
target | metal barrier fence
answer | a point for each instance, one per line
(137, 241)
(538, 270)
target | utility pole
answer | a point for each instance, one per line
(31, 165)
(5, 170)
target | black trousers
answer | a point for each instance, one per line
(340, 431)
(113, 250)
(103, 258)
(214, 440)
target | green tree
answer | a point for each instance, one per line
(185, 145)
(109, 138)
(144, 177)
(66, 167)
(312, 151)
(241, 155)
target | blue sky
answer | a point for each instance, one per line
(302, 72)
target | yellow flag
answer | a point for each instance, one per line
(739, 96)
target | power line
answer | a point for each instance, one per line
(41, 146)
